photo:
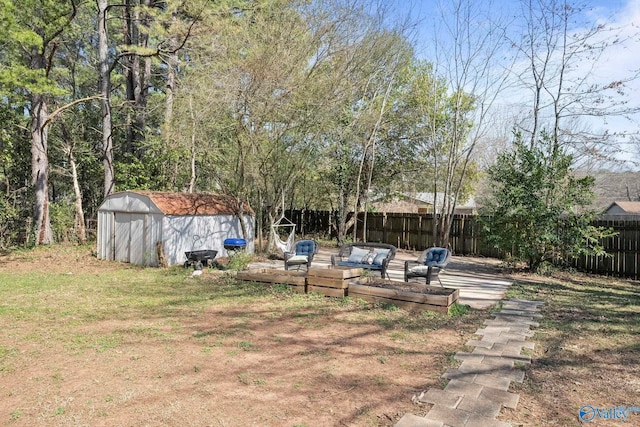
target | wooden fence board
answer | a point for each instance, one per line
(415, 232)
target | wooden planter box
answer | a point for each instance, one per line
(332, 281)
(434, 298)
(296, 279)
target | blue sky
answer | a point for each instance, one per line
(618, 13)
(618, 63)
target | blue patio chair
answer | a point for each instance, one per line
(304, 250)
(429, 265)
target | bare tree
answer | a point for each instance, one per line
(468, 54)
(369, 53)
(68, 147)
(562, 51)
(265, 86)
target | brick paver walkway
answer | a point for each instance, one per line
(478, 388)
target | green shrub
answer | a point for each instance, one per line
(239, 260)
(62, 221)
(458, 310)
(9, 222)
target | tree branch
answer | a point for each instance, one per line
(64, 107)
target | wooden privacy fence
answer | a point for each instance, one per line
(403, 230)
(415, 232)
(623, 249)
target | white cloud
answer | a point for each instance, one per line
(622, 57)
(619, 62)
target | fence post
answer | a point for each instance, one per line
(384, 226)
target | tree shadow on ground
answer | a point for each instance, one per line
(586, 345)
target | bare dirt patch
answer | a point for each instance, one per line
(91, 343)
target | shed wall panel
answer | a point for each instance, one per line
(122, 235)
(105, 235)
(153, 233)
(190, 233)
(250, 226)
(137, 244)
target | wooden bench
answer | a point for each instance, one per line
(367, 255)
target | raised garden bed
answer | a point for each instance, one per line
(296, 279)
(411, 296)
(333, 281)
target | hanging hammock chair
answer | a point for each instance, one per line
(282, 225)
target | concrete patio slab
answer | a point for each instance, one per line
(478, 389)
(440, 397)
(483, 407)
(477, 279)
(410, 420)
(448, 416)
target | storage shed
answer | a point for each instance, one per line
(134, 225)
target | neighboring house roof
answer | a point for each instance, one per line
(429, 198)
(194, 203)
(396, 206)
(410, 202)
(624, 207)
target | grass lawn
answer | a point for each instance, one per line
(90, 343)
(587, 349)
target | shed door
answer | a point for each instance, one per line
(129, 238)
(137, 239)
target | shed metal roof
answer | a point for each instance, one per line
(194, 203)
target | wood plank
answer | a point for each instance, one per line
(268, 275)
(335, 272)
(441, 300)
(330, 292)
(328, 282)
(407, 305)
(454, 297)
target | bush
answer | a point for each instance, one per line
(239, 261)
(9, 223)
(537, 210)
(457, 310)
(62, 216)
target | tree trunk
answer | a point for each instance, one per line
(81, 229)
(260, 222)
(372, 144)
(342, 218)
(131, 66)
(240, 215)
(436, 219)
(40, 170)
(105, 90)
(172, 65)
(192, 180)
(137, 75)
